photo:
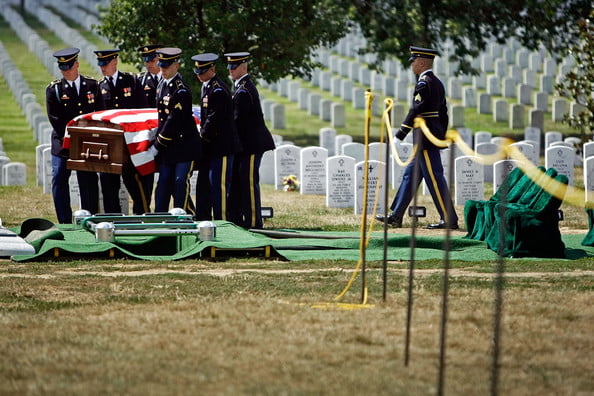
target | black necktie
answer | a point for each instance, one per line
(74, 87)
(110, 79)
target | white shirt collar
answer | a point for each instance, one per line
(76, 81)
(167, 81)
(425, 72)
(236, 83)
(115, 77)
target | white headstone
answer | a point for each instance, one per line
(375, 170)
(468, 180)
(527, 150)
(355, 150)
(482, 137)
(377, 151)
(328, 139)
(39, 165)
(500, 171)
(313, 170)
(75, 190)
(340, 141)
(562, 159)
(487, 149)
(404, 151)
(286, 163)
(47, 170)
(588, 150)
(589, 179)
(552, 136)
(14, 174)
(266, 168)
(340, 182)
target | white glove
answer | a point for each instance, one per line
(153, 150)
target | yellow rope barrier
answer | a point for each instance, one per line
(571, 195)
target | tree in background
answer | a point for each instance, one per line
(579, 83)
(281, 34)
(391, 26)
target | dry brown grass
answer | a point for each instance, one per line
(256, 333)
(250, 327)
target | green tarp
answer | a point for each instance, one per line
(62, 241)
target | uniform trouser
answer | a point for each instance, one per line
(88, 189)
(244, 194)
(431, 170)
(139, 187)
(214, 180)
(110, 189)
(174, 180)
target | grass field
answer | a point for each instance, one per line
(269, 327)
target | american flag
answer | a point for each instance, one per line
(139, 127)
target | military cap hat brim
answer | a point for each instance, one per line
(106, 56)
(66, 57)
(204, 62)
(168, 56)
(419, 52)
(235, 59)
(149, 52)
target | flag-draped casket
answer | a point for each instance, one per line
(105, 140)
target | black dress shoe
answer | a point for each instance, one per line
(442, 226)
(391, 220)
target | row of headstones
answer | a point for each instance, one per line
(506, 82)
(27, 101)
(39, 47)
(80, 12)
(341, 178)
(400, 88)
(481, 141)
(67, 34)
(510, 59)
(377, 151)
(11, 173)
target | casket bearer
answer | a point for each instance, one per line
(122, 90)
(178, 144)
(65, 99)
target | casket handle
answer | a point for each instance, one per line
(100, 156)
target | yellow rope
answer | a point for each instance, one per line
(571, 195)
(365, 236)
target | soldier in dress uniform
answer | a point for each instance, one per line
(429, 103)
(244, 196)
(65, 99)
(219, 138)
(178, 144)
(121, 90)
(149, 79)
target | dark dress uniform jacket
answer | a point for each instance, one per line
(149, 84)
(63, 104)
(249, 120)
(177, 136)
(217, 126)
(127, 93)
(429, 102)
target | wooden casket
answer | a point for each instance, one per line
(104, 141)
